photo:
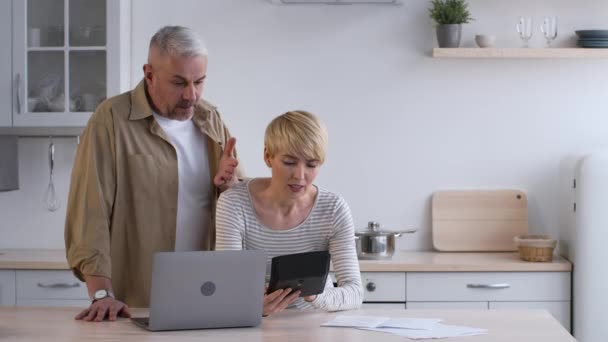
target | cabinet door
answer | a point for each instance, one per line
(63, 58)
(7, 288)
(559, 309)
(6, 79)
(383, 286)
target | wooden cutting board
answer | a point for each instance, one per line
(478, 220)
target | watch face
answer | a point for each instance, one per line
(99, 294)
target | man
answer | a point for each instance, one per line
(148, 171)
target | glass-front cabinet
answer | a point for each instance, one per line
(66, 60)
(6, 84)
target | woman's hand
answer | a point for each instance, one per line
(310, 298)
(278, 301)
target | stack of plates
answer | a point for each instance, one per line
(592, 38)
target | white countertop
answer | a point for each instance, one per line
(462, 262)
(54, 259)
(291, 325)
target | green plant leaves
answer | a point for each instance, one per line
(445, 12)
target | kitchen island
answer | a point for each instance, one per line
(30, 324)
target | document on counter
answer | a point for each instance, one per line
(353, 321)
(413, 328)
(438, 331)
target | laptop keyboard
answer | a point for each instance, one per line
(143, 321)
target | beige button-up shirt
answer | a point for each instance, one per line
(122, 205)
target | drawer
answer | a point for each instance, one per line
(383, 306)
(49, 285)
(383, 286)
(45, 303)
(488, 286)
(447, 305)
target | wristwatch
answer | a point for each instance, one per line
(101, 294)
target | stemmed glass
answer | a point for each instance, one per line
(524, 28)
(549, 29)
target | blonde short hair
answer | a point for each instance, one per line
(298, 133)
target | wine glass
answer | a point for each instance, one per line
(549, 29)
(524, 28)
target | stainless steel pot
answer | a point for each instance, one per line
(374, 243)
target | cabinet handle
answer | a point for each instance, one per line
(18, 92)
(58, 285)
(488, 286)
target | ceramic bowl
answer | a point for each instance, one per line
(485, 41)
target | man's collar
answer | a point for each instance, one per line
(140, 108)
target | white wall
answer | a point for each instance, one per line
(401, 124)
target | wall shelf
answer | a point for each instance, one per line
(512, 53)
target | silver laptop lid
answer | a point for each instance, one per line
(213, 289)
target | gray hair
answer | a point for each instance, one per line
(178, 41)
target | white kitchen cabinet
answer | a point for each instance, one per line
(5, 64)
(493, 290)
(384, 289)
(7, 287)
(383, 306)
(68, 55)
(50, 288)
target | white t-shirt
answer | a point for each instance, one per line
(194, 183)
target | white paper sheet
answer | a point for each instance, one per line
(410, 323)
(439, 331)
(413, 328)
(356, 321)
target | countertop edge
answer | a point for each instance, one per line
(402, 261)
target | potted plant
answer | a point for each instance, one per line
(449, 16)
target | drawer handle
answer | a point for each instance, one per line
(371, 286)
(58, 285)
(488, 286)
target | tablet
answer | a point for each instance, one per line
(306, 272)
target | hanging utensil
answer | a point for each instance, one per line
(51, 202)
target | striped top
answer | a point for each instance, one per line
(328, 227)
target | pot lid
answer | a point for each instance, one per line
(373, 229)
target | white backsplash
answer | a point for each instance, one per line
(25, 222)
(401, 124)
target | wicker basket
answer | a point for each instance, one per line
(535, 247)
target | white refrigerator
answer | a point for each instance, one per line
(588, 248)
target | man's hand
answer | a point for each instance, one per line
(107, 307)
(278, 301)
(226, 176)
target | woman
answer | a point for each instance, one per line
(288, 214)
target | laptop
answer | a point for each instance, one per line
(200, 290)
